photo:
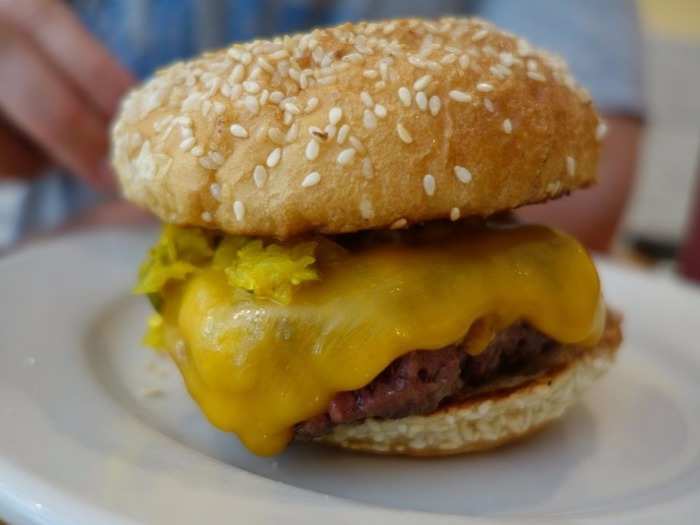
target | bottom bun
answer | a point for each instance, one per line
(487, 420)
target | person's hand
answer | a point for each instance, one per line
(59, 88)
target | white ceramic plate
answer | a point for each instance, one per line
(96, 430)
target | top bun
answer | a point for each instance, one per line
(368, 125)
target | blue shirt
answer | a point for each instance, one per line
(599, 38)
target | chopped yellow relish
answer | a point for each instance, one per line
(177, 253)
(265, 333)
(271, 270)
(155, 336)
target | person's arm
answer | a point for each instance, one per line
(60, 88)
(594, 214)
(601, 41)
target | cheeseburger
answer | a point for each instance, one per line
(339, 263)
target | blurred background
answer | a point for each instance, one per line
(668, 178)
(648, 80)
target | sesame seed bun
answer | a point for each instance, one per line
(488, 420)
(368, 125)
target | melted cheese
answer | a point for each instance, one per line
(257, 367)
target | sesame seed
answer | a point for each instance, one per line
(534, 75)
(480, 35)
(251, 104)
(237, 74)
(367, 168)
(370, 73)
(366, 208)
(507, 59)
(383, 69)
(274, 158)
(216, 157)
(255, 73)
(264, 64)
(275, 135)
(246, 57)
(264, 96)
(219, 108)
(206, 216)
(324, 70)
(311, 104)
(353, 57)
(206, 106)
(187, 144)
(278, 55)
(404, 135)
(276, 97)
(369, 121)
(366, 99)
(346, 156)
(311, 179)
(464, 61)
(488, 104)
(317, 132)
(343, 133)
(334, 115)
(292, 133)
(206, 163)
(405, 96)
(312, 150)
(460, 96)
(416, 61)
(197, 151)
(259, 176)
(463, 174)
(448, 59)
(500, 71)
(489, 50)
(421, 101)
(330, 131)
(215, 190)
(553, 187)
(238, 131)
(507, 126)
(422, 82)
(292, 108)
(380, 110)
(251, 87)
(327, 80)
(434, 104)
(570, 166)
(455, 214)
(429, 185)
(357, 144)
(484, 87)
(601, 130)
(239, 210)
(398, 224)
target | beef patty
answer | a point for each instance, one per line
(421, 381)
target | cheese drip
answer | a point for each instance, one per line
(257, 367)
